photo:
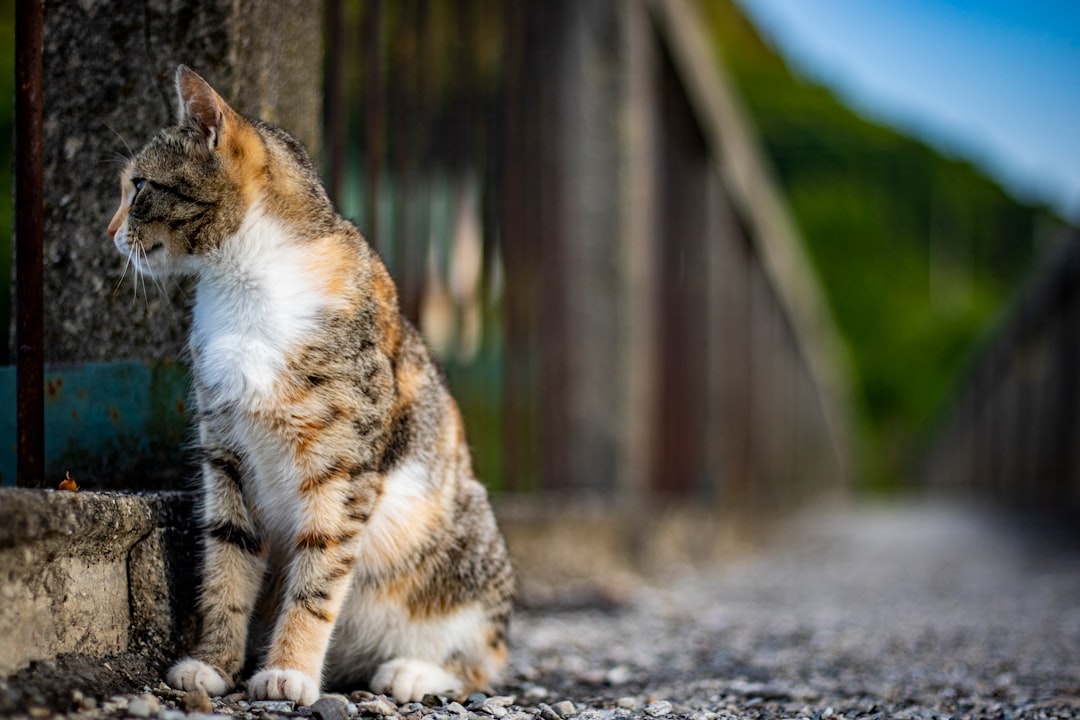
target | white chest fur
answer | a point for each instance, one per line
(257, 300)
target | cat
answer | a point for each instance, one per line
(334, 461)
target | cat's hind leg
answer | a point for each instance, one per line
(463, 653)
(409, 680)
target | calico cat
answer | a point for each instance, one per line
(333, 457)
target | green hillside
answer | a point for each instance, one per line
(917, 252)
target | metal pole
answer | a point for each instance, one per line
(373, 110)
(29, 236)
(336, 111)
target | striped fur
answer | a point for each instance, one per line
(335, 469)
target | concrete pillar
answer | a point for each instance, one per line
(108, 87)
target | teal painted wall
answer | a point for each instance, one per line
(114, 425)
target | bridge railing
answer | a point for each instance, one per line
(1013, 432)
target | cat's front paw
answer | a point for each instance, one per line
(192, 674)
(409, 680)
(283, 684)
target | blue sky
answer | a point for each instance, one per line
(993, 81)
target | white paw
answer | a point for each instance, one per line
(281, 684)
(410, 680)
(192, 674)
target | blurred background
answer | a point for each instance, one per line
(748, 252)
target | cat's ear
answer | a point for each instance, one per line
(199, 105)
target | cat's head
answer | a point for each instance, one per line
(190, 187)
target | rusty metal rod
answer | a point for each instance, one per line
(335, 109)
(373, 117)
(29, 238)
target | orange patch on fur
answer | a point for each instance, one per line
(335, 263)
(245, 156)
(410, 381)
(457, 425)
(296, 644)
(389, 322)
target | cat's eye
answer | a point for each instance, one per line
(138, 183)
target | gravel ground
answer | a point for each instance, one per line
(913, 611)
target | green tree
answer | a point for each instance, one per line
(917, 252)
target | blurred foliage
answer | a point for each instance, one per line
(917, 252)
(7, 131)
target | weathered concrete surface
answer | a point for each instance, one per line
(93, 573)
(108, 87)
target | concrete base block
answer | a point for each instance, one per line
(98, 574)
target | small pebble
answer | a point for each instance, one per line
(456, 708)
(38, 713)
(143, 706)
(548, 713)
(115, 704)
(495, 711)
(658, 708)
(475, 700)
(501, 700)
(627, 703)
(164, 691)
(196, 701)
(618, 675)
(273, 705)
(377, 706)
(84, 703)
(564, 709)
(536, 692)
(331, 707)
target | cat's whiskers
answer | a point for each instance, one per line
(130, 152)
(133, 261)
(136, 257)
(116, 159)
(145, 285)
(123, 273)
(161, 287)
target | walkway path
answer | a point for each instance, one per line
(912, 611)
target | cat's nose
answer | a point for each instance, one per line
(117, 221)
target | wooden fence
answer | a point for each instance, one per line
(581, 225)
(1014, 430)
